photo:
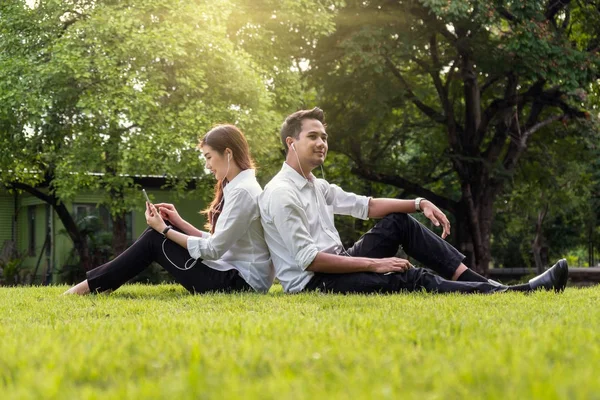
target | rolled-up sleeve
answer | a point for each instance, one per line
(239, 211)
(345, 203)
(291, 221)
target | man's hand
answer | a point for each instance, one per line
(391, 264)
(436, 216)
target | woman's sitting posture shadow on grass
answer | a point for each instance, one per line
(232, 257)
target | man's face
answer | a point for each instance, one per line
(311, 145)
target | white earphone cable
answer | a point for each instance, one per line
(194, 261)
(317, 197)
(298, 158)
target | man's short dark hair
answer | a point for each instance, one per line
(292, 125)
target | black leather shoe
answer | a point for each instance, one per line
(554, 278)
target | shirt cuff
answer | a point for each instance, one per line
(306, 256)
(193, 246)
(361, 209)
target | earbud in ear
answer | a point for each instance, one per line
(228, 156)
(293, 147)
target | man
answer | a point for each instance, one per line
(297, 216)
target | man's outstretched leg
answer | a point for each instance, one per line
(398, 229)
(416, 279)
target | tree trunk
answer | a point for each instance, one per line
(79, 241)
(536, 245)
(475, 218)
(113, 157)
(464, 242)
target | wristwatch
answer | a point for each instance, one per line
(418, 201)
(167, 229)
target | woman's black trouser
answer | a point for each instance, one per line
(418, 242)
(151, 246)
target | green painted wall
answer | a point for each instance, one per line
(6, 217)
(187, 208)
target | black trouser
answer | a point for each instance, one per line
(418, 242)
(148, 248)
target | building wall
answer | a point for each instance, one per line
(6, 218)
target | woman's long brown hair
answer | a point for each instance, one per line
(219, 138)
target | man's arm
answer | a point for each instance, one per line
(334, 264)
(289, 217)
(379, 208)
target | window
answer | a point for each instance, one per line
(82, 210)
(31, 230)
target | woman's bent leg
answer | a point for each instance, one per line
(127, 265)
(151, 246)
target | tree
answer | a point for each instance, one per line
(110, 88)
(97, 91)
(443, 98)
(552, 198)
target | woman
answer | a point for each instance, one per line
(232, 257)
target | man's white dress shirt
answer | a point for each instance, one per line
(297, 217)
(238, 241)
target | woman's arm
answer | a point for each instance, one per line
(168, 212)
(155, 221)
(238, 213)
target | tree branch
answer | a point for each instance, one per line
(518, 146)
(33, 191)
(489, 83)
(451, 73)
(435, 75)
(425, 109)
(511, 98)
(506, 14)
(497, 143)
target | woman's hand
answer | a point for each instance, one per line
(153, 218)
(168, 212)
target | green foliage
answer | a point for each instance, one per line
(159, 342)
(12, 271)
(125, 88)
(558, 177)
(443, 99)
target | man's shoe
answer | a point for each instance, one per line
(495, 283)
(554, 278)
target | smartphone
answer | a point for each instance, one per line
(148, 200)
(146, 196)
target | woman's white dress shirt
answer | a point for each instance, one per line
(238, 241)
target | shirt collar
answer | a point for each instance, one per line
(239, 178)
(293, 175)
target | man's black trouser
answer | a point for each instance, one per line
(151, 246)
(418, 242)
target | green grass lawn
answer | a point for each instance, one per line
(160, 342)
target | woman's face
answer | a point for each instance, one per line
(216, 162)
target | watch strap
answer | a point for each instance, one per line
(418, 201)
